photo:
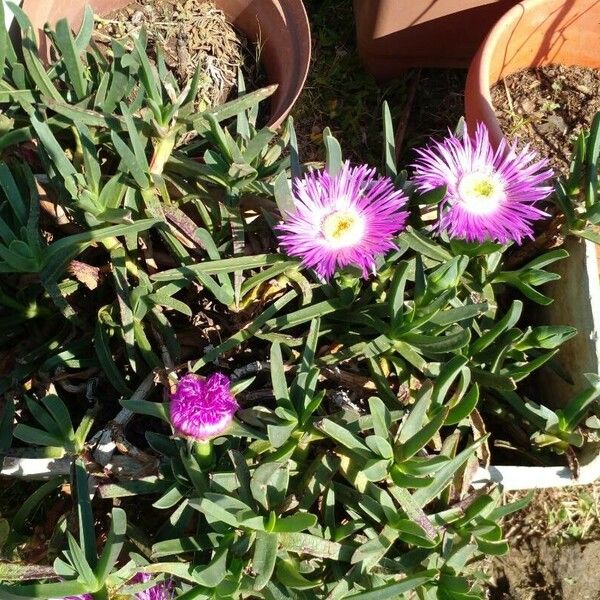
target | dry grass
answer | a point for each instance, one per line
(189, 33)
(564, 515)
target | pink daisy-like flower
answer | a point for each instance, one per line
(202, 408)
(160, 591)
(341, 220)
(491, 195)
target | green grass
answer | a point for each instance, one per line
(339, 93)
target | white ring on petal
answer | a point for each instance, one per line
(343, 228)
(205, 430)
(481, 193)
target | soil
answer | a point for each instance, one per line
(189, 33)
(548, 107)
(538, 569)
(554, 548)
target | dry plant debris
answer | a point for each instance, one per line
(548, 107)
(554, 547)
(190, 34)
(563, 515)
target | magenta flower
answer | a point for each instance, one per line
(341, 220)
(202, 408)
(491, 195)
(160, 591)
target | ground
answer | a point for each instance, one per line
(341, 95)
(555, 544)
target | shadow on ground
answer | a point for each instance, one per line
(341, 95)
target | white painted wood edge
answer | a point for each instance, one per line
(593, 274)
(528, 478)
(34, 468)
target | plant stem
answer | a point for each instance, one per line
(203, 451)
(30, 311)
(101, 594)
(162, 153)
(112, 244)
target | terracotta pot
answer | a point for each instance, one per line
(536, 33)
(394, 35)
(279, 26)
(531, 34)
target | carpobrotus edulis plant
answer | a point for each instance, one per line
(347, 470)
(202, 409)
(160, 591)
(491, 195)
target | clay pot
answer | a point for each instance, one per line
(536, 33)
(533, 33)
(393, 35)
(280, 26)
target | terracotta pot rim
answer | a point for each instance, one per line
(303, 23)
(478, 100)
(490, 43)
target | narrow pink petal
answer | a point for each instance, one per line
(202, 408)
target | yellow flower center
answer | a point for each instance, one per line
(342, 228)
(483, 188)
(481, 193)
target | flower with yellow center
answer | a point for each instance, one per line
(481, 193)
(342, 228)
(340, 220)
(491, 194)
